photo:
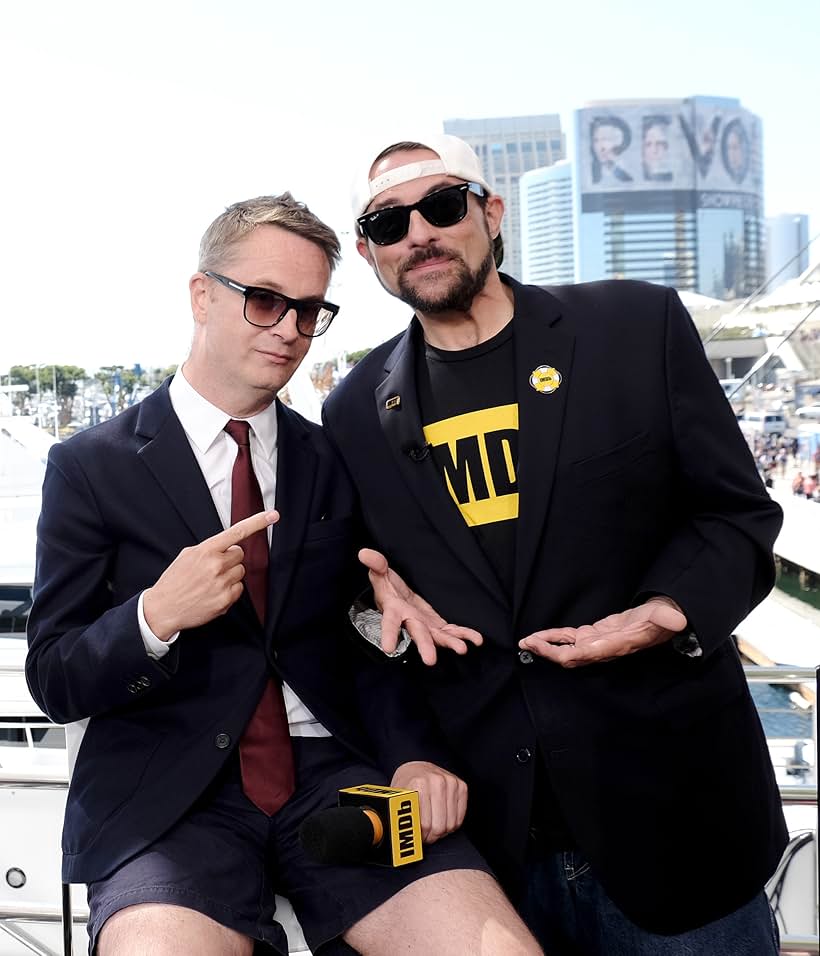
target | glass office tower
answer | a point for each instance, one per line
(547, 232)
(507, 147)
(787, 252)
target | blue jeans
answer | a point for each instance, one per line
(571, 915)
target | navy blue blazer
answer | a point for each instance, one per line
(633, 480)
(120, 501)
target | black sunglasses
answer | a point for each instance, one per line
(265, 308)
(443, 208)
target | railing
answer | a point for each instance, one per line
(805, 677)
(803, 945)
(791, 795)
(796, 794)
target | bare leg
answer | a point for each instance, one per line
(165, 930)
(458, 912)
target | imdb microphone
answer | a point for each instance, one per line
(371, 824)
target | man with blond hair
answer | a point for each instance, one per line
(203, 637)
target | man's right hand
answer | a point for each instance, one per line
(203, 581)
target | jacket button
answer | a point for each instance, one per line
(132, 688)
(144, 682)
(526, 657)
(223, 741)
(524, 755)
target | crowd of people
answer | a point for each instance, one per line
(778, 456)
(806, 485)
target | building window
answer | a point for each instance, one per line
(498, 158)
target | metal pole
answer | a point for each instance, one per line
(67, 922)
(56, 405)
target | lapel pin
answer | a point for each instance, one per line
(392, 402)
(545, 379)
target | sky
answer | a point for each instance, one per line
(128, 127)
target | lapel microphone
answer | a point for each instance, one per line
(418, 452)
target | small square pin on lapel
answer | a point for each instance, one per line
(393, 402)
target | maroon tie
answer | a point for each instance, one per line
(265, 752)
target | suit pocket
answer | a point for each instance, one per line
(611, 461)
(111, 763)
(330, 528)
(694, 689)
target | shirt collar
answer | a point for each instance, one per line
(203, 422)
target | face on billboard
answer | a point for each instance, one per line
(610, 136)
(734, 147)
(655, 149)
(696, 145)
(607, 143)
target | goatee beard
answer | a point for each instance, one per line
(458, 297)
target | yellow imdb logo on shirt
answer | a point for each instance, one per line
(478, 456)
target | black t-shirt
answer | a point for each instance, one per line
(469, 413)
(470, 418)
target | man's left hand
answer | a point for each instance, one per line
(442, 797)
(654, 622)
(402, 607)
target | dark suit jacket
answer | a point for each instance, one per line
(633, 480)
(119, 503)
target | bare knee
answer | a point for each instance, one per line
(165, 930)
(458, 912)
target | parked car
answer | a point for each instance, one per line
(763, 423)
(809, 412)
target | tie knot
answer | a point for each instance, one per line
(239, 431)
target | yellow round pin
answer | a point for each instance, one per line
(545, 379)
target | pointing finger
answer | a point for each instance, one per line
(243, 529)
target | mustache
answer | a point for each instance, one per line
(423, 255)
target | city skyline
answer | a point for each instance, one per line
(130, 129)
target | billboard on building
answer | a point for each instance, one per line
(642, 151)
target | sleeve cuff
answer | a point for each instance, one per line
(154, 647)
(687, 643)
(369, 624)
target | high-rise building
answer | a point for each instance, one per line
(787, 247)
(507, 147)
(671, 191)
(547, 233)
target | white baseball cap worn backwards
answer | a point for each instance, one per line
(455, 158)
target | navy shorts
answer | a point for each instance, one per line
(227, 859)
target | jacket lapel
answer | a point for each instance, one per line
(398, 410)
(168, 456)
(540, 344)
(296, 466)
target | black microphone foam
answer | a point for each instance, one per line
(337, 835)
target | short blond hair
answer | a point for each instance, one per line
(243, 217)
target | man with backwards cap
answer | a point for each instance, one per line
(559, 469)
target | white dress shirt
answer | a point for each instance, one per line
(215, 452)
